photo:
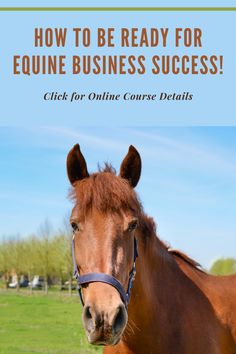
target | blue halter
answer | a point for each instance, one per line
(105, 278)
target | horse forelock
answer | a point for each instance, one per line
(105, 192)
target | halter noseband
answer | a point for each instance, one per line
(105, 278)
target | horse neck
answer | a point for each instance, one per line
(155, 269)
(167, 292)
(157, 281)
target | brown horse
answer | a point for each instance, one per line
(175, 307)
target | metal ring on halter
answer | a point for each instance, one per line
(105, 278)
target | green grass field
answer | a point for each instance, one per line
(42, 324)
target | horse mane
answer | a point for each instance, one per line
(194, 264)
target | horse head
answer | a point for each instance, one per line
(104, 219)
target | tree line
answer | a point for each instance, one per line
(46, 253)
(223, 266)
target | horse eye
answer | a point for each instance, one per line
(74, 226)
(132, 225)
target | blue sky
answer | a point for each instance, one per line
(188, 182)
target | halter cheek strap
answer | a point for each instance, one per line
(105, 278)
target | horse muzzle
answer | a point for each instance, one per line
(104, 327)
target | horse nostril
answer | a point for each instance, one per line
(99, 320)
(87, 318)
(119, 319)
(87, 312)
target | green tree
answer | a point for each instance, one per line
(17, 258)
(5, 260)
(223, 266)
(45, 264)
(31, 258)
(65, 237)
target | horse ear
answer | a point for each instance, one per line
(130, 168)
(76, 165)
